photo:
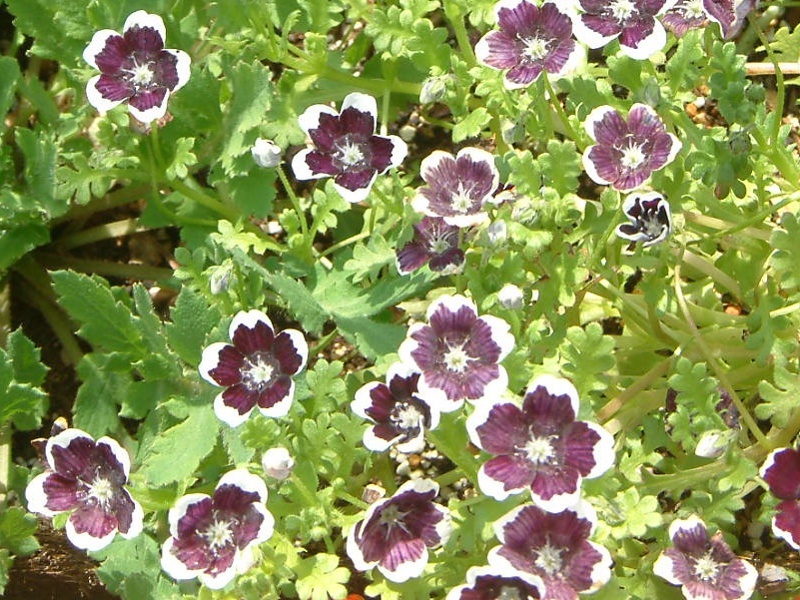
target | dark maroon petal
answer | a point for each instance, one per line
(451, 260)
(514, 472)
(578, 572)
(494, 587)
(198, 517)
(602, 25)
(401, 550)
(517, 21)
(233, 498)
(524, 74)
(123, 508)
(111, 58)
(629, 180)
(146, 99)
(411, 257)
(355, 180)
(783, 475)
(144, 39)
(682, 569)
(550, 413)
(722, 11)
(606, 161)
(229, 367)
(636, 31)
(359, 124)
(249, 341)
(319, 162)
(165, 70)
(289, 358)
(275, 393)
(610, 129)
(63, 493)
(787, 519)
(92, 519)
(692, 541)
(327, 133)
(505, 429)
(445, 322)
(555, 480)
(720, 551)
(480, 344)
(114, 89)
(240, 398)
(579, 442)
(503, 50)
(382, 403)
(246, 527)
(77, 460)
(381, 150)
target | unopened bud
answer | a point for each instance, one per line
(713, 444)
(266, 153)
(497, 233)
(220, 279)
(277, 463)
(433, 89)
(510, 297)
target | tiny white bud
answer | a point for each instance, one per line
(372, 493)
(510, 297)
(433, 89)
(497, 232)
(220, 279)
(277, 463)
(266, 153)
(713, 443)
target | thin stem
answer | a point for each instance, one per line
(456, 18)
(633, 390)
(346, 242)
(204, 200)
(101, 232)
(301, 215)
(107, 268)
(710, 270)
(562, 115)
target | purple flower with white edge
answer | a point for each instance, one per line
(458, 353)
(213, 536)
(345, 147)
(135, 66)
(553, 548)
(458, 186)
(730, 14)
(705, 568)
(256, 369)
(540, 446)
(781, 472)
(435, 243)
(487, 583)
(650, 218)
(633, 22)
(627, 152)
(396, 532)
(400, 415)
(530, 40)
(88, 478)
(685, 15)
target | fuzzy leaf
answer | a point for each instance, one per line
(588, 356)
(779, 401)
(192, 320)
(106, 378)
(472, 125)
(368, 259)
(786, 257)
(320, 577)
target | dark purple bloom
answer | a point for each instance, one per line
(395, 533)
(627, 152)
(256, 369)
(212, 536)
(135, 67)
(488, 583)
(705, 568)
(633, 22)
(458, 186)
(650, 218)
(730, 14)
(87, 478)
(458, 353)
(540, 446)
(530, 40)
(781, 472)
(346, 148)
(400, 415)
(685, 15)
(434, 242)
(553, 548)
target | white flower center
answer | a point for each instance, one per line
(460, 201)
(456, 359)
(406, 416)
(258, 371)
(439, 244)
(651, 226)
(632, 156)
(622, 9)
(535, 48)
(392, 517)
(706, 568)
(141, 75)
(351, 154)
(101, 489)
(693, 9)
(549, 559)
(218, 534)
(509, 593)
(540, 449)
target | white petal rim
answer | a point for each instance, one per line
(210, 361)
(144, 19)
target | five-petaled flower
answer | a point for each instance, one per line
(458, 186)
(396, 532)
(213, 536)
(87, 478)
(704, 567)
(781, 472)
(530, 40)
(627, 152)
(650, 218)
(135, 67)
(540, 446)
(632, 22)
(489, 583)
(458, 353)
(256, 369)
(553, 548)
(434, 242)
(345, 147)
(400, 415)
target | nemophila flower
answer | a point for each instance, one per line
(396, 532)
(530, 39)
(256, 368)
(705, 568)
(86, 478)
(553, 548)
(781, 472)
(458, 353)
(632, 22)
(488, 583)
(345, 147)
(435, 243)
(213, 536)
(685, 15)
(135, 67)
(458, 186)
(730, 14)
(627, 152)
(400, 415)
(540, 446)
(650, 218)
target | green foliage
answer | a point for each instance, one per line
(786, 257)
(320, 577)
(21, 377)
(588, 358)
(16, 539)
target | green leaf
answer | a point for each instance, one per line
(779, 400)
(682, 68)
(106, 378)
(132, 568)
(640, 514)
(368, 259)
(372, 339)
(192, 320)
(25, 359)
(171, 457)
(786, 257)
(320, 577)
(16, 531)
(182, 159)
(40, 153)
(60, 30)
(105, 322)
(561, 166)
(9, 75)
(588, 357)
(20, 240)
(472, 125)
(23, 402)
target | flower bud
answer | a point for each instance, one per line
(510, 297)
(220, 279)
(266, 153)
(433, 89)
(497, 232)
(713, 443)
(277, 463)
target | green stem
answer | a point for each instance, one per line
(562, 115)
(301, 215)
(346, 242)
(5, 428)
(114, 199)
(101, 232)
(453, 13)
(106, 268)
(204, 200)
(444, 440)
(633, 390)
(710, 270)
